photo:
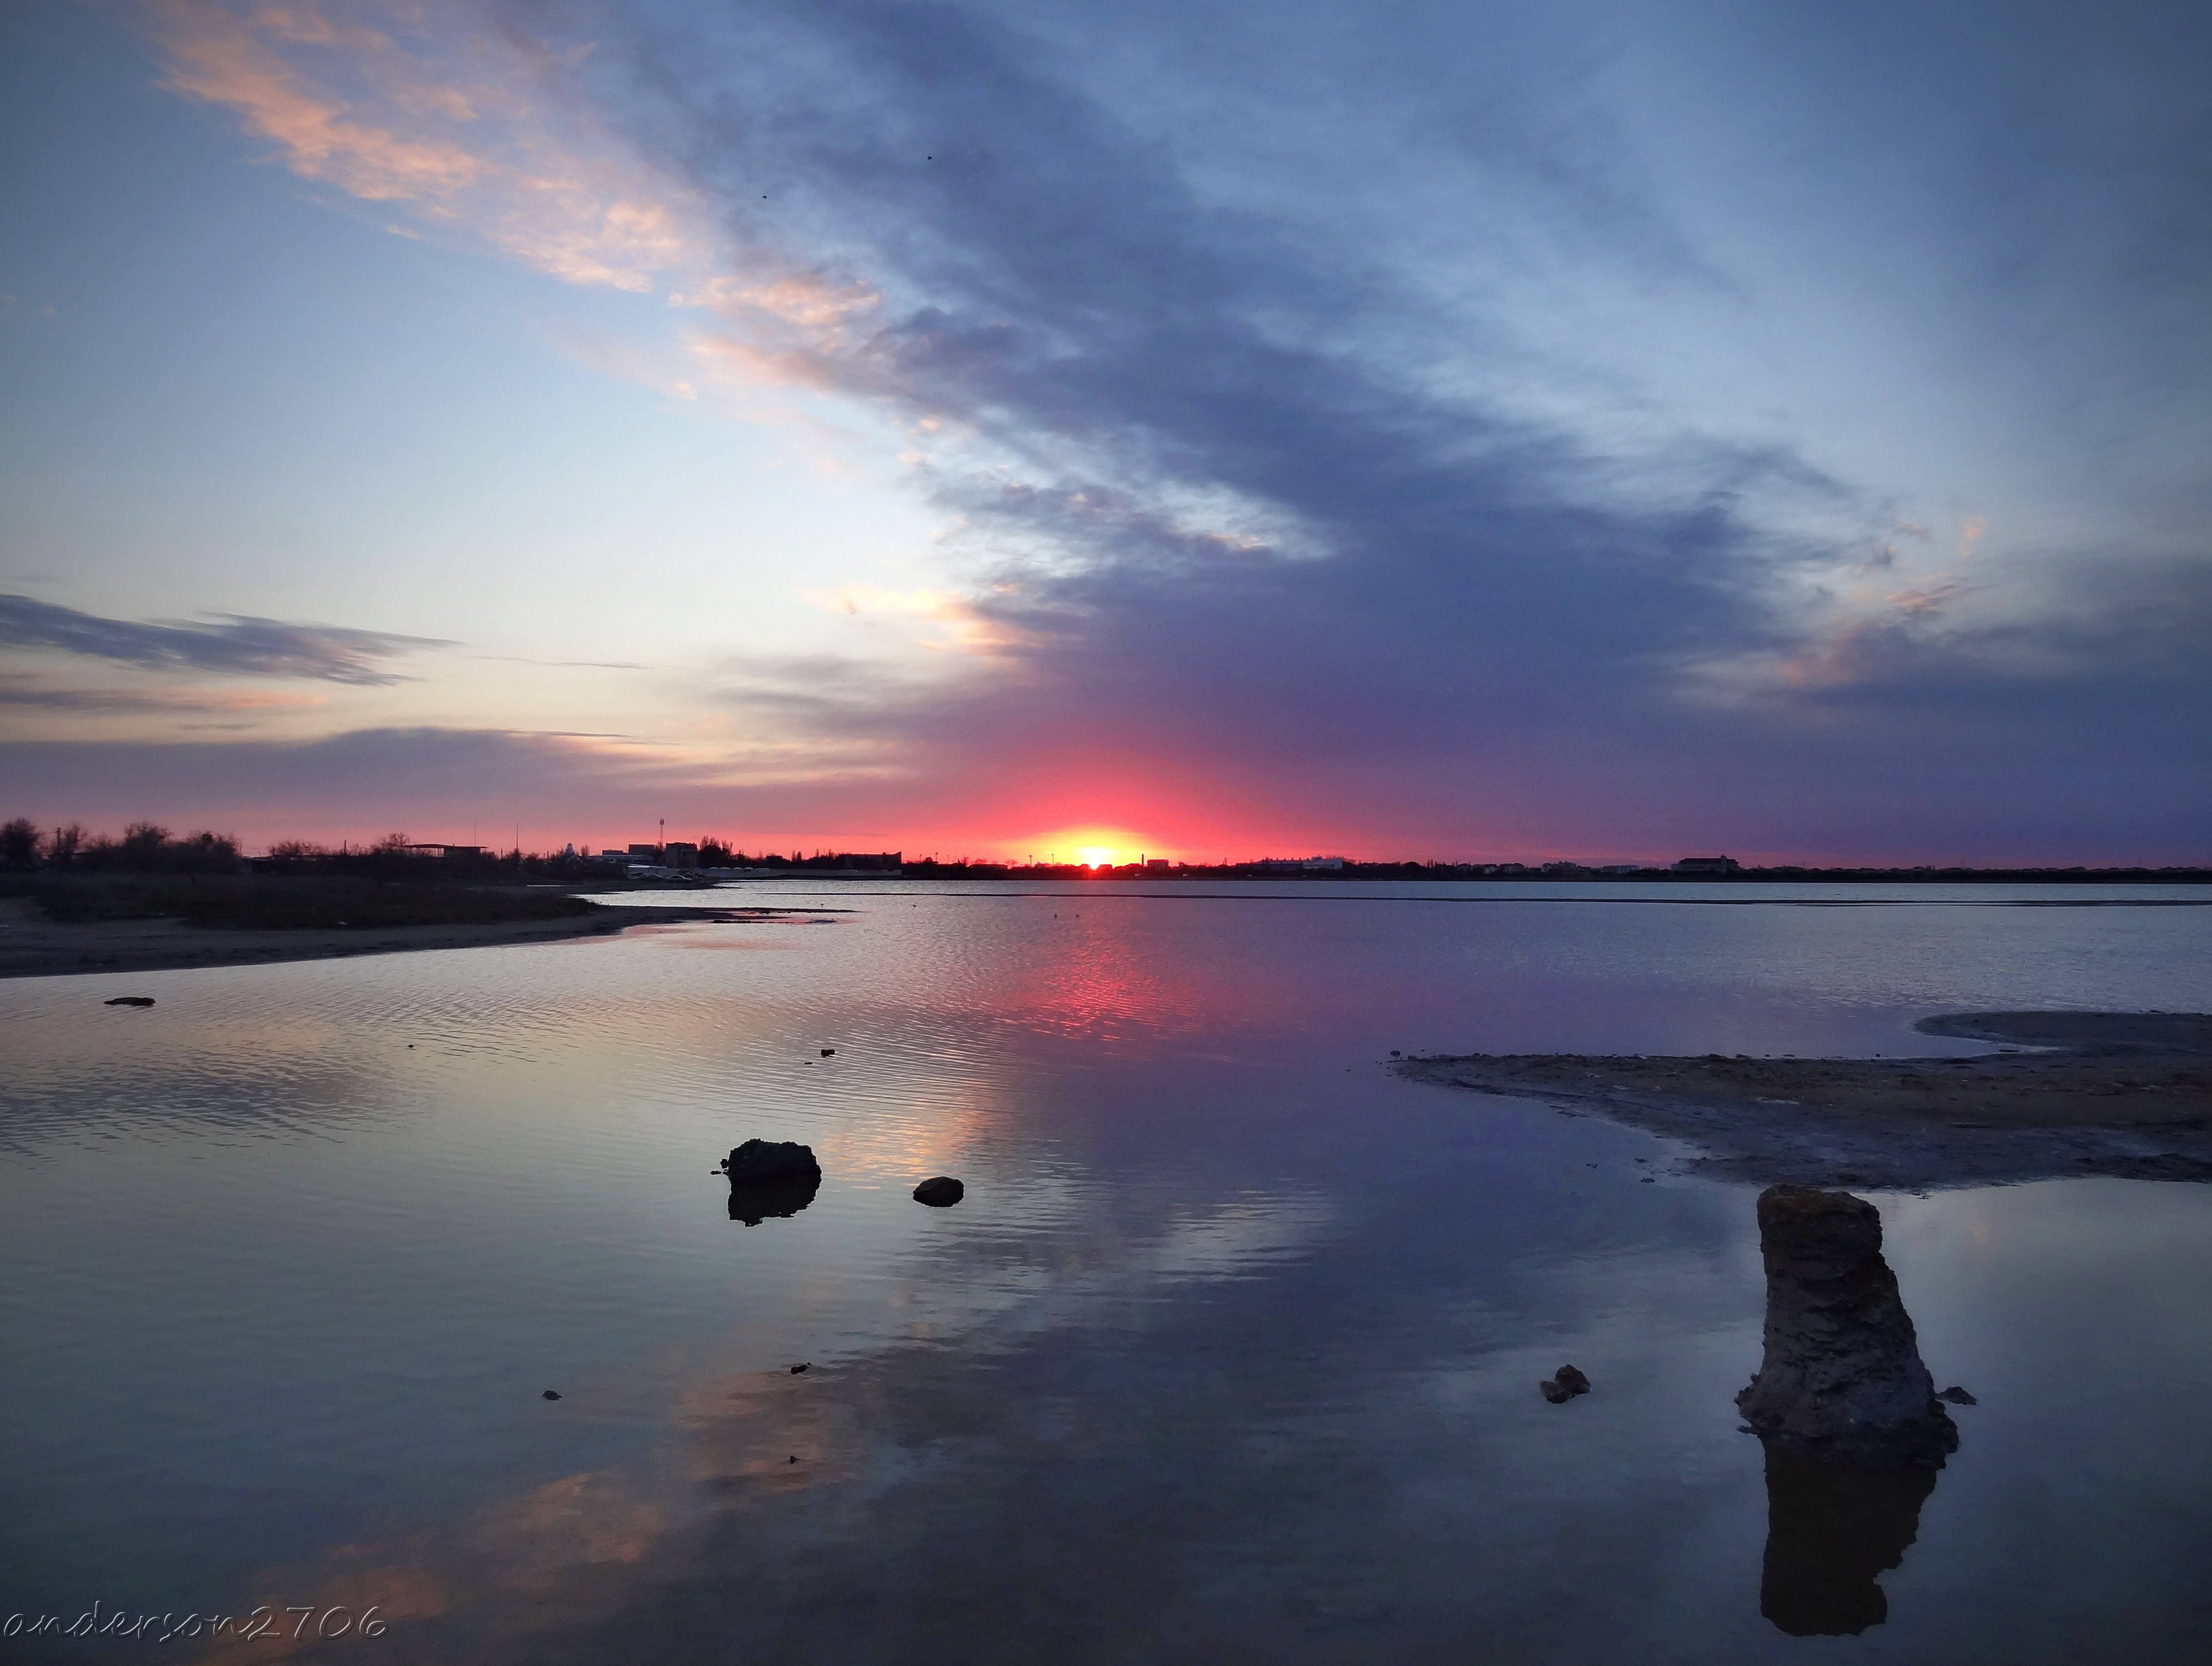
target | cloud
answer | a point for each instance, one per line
(571, 664)
(380, 102)
(217, 56)
(969, 627)
(16, 690)
(238, 643)
(1243, 354)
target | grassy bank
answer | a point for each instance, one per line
(252, 902)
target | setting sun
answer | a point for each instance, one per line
(1089, 844)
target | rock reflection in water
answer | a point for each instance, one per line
(1846, 1410)
(773, 1199)
(1831, 1529)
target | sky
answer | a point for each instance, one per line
(1597, 429)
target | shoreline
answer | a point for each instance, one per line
(31, 945)
(2116, 1094)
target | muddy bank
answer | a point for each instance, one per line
(2128, 1094)
(31, 945)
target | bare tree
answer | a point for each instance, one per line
(19, 843)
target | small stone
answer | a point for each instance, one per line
(1957, 1396)
(940, 1192)
(550, 1394)
(829, 1051)
(1565, 1386)
(795, 1370)
(793, 1458)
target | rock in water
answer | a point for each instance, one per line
(1957, 1396)
(131, 1000)
(760, 1162)
(940, 1192)
(1842, 1382)
(1565, 1386)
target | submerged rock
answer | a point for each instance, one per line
(1842, 1382)
(1565, 1386)
(760, 1161)
(1957, 1396)
(940, 1192)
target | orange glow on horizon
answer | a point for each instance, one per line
(1088, 846)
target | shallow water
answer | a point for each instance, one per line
(1230, 1352)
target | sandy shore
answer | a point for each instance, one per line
(2127, 1094)
(31, 945)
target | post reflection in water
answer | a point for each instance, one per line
(1846, 1410)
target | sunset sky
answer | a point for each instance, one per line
(1590, 428)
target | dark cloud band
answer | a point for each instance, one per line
(236, 644)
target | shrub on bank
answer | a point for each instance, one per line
(144, 847)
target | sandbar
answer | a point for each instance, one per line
(2123, 1094)
(31, 945)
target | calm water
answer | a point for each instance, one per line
(1229, 1354)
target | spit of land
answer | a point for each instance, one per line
(2126, 1094)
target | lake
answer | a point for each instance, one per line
(1229, 1354)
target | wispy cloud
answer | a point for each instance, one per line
(568, 665)
(16, 690)
(433, 112)
(234, 643)
(965, 625)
